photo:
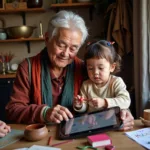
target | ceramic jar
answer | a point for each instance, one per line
(34, 3)
(3, 35)
(146, 114)
(35, 132)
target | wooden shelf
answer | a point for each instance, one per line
(21, 40)
(83, 4)
(27, 40)
(7, 76)
(23, 10)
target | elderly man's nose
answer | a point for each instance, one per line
(66, 52)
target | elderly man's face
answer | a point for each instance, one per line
(64, 47)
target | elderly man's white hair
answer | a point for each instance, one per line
(67, 19)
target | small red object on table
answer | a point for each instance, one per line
(110, 147)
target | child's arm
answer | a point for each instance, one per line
(121, 96)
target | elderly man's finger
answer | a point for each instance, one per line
(58, 113)
(55, 120)
(126, 115)
(59, 116)
(127, 125)
(65, 112)
(126, 128)
(64, 115)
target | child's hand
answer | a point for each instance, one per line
(78, 101)
(98, 102)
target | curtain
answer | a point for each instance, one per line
(141, 42)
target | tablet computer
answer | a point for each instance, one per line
(90, 123)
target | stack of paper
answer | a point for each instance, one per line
(141, 136)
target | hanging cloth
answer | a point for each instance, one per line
(120, 25)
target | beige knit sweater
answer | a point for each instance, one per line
(114, 92)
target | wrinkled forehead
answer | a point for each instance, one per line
(70, 36)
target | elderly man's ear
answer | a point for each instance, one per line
(46, 37)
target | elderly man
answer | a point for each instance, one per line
(46, 83)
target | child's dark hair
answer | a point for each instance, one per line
(103, 49)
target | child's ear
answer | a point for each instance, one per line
(113, 66)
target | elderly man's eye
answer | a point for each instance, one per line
(61, 45)
(73, 49)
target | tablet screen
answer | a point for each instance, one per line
(91, 123)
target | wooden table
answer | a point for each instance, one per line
(119, 140)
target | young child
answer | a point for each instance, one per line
(102, 89)
(4, 129)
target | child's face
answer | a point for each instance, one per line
(99, 70)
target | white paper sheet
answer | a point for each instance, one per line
(38, 147)
(141, 136)
(21, 149)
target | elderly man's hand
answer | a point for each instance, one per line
(128, 120)
(58, 114)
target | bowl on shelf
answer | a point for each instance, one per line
(14, 67)
(17, 32)
(35, 132)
